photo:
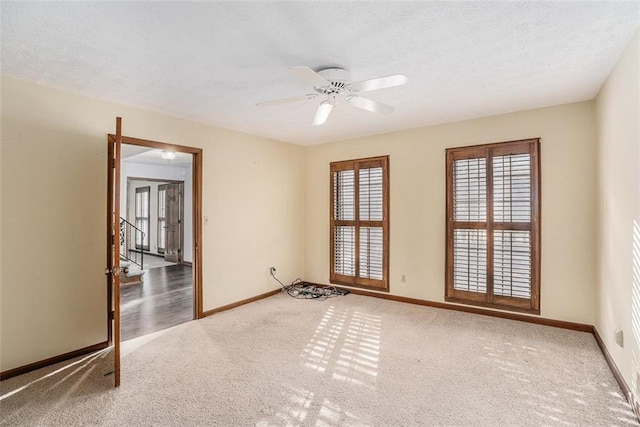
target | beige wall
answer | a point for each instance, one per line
(618, 228)
(53, 177)
(417, 202)
(267, 204)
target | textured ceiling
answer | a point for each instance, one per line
(213, 61)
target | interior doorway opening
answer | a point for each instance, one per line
(113, 236)
(157, 239)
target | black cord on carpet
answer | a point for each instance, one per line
(303, 290)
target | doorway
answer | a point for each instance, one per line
(156, 288)
(162, 202)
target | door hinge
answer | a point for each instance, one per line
(113, 163)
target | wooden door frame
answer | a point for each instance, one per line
(114, 145)
(110, 225)
(196, 212)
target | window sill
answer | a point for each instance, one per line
(502, 307)
(356, 285)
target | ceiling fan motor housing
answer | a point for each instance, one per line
(338, 79)
(335, 83)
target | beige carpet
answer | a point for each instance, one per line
(345, 361)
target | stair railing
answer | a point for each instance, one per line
(129, 235)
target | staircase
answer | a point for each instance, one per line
(131, 259)
(130, 276)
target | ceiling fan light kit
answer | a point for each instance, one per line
(323, 111)
(335, 83)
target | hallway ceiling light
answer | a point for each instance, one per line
(168, 155)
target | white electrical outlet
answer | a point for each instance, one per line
(403, 278)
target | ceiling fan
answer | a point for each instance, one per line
(334, 83)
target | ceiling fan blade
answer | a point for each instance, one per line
(379, 83)
(307, 75)
(370, 105)
(287, 100)
(322, 113)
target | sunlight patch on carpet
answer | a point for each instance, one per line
(347, 344)
(80, 364)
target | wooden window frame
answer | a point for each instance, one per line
(488, 299)
(356, 281)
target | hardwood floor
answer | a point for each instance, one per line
(164, 299)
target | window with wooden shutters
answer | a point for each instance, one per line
(360, 223)
(493, 225)
(142, 217)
